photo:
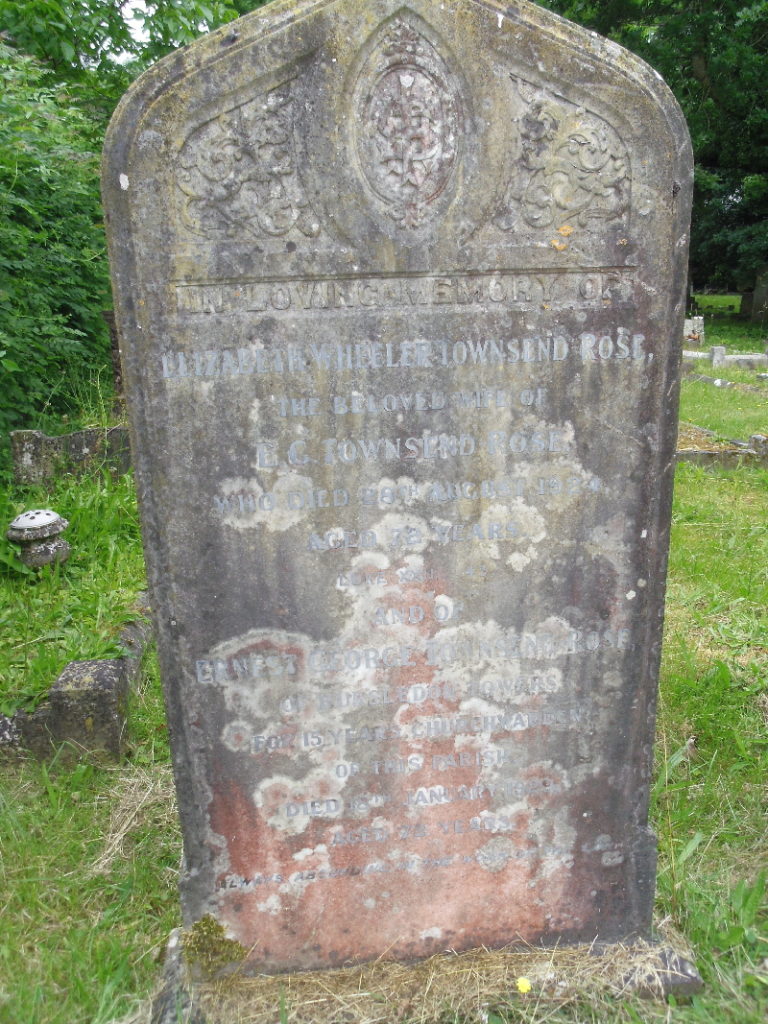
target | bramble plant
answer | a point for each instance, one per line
(53, 273)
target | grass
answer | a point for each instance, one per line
(723, 326)
(77, 401)
(88, 862)
(512, 984)
(89, 854)
(748, 378)
(735, 413)
(727, 303)
(74, 402)
(75, 610)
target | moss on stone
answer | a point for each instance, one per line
(207, 947)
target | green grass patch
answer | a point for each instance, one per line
(723, 325)
(725, 303)
(730, 412)
(75, 610)
(88, 861)
(712, 745)
(735, 334)
(88, 400)
(749, 378)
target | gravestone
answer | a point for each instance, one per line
(758, 309)
(400, 295)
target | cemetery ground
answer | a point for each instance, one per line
(89, 851)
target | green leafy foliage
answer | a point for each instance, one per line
(75, 36)
(63, 66)
(714, 56)
(53, 274)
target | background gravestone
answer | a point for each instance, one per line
(400, 293)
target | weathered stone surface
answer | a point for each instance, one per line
(114, 351)
(721, 358)
(38, 458)
(86, 708)
(175, 1002)
(400, 298)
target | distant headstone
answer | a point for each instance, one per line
(717, 355)
(400, 297)
(759, 306)
(693, 332)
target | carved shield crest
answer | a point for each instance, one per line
(407, 122)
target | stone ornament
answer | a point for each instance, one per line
(37, 531)
(572, 168)
(406, 121)
(238, 172)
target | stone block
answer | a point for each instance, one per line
(38, 458)
(717, 355)
(87, 706)
(86, 709)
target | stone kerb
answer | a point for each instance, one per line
(400, 291)
(86, 710)
(38, 458)
(721, 358)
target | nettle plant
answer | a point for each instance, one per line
(53, 268)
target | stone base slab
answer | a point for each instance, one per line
(652, 970)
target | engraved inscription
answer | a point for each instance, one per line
(372, 356)
(592, 288)
(238, 174)
(406, 119)
(396, 296)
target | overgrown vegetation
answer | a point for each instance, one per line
(72, 611)
(53, 274)
(59, 83)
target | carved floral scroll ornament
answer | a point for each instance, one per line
(237, 172)
(572, 167)
(406, 122)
